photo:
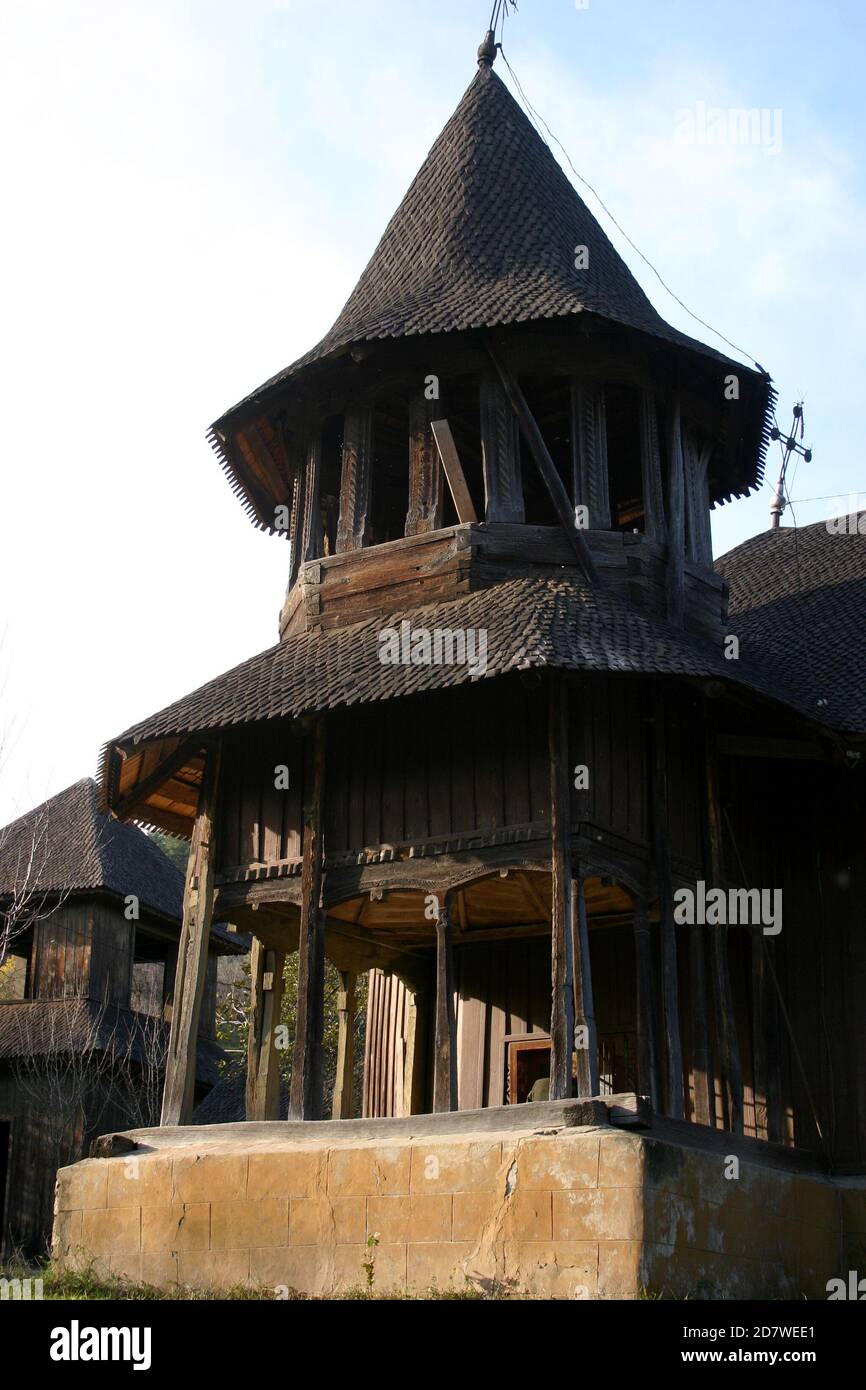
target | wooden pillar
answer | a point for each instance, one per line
(589, 451)
(701, 1065)
(696, 461)
(263, 1063)
(661, 858)
(311, 503)
(730, 1069)
(179, 1094)
(548, 472)
(500, 448)
(445, 1058)
(676, 519)
(343, 1103)
(651, 468)
(425, 467)
(306, 1098)
(765, 1035)
(355, 482)
(649, 1076)
(584, 1003)
(561, 960)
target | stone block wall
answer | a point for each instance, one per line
(580, 1213)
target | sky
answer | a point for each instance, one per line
(192, 188)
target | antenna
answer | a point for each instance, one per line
(790, 445)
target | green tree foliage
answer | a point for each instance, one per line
(233, 1027)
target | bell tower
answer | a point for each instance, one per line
(498, 395)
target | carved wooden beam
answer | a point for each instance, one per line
(500, 447)
(306, 1098)
(263, 1063)
(425, 468)
(547, 469)
(179, 1093)
(355, 485)
(589, 451)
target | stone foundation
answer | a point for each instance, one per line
(586, 1212)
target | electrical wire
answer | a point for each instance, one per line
(539, 120)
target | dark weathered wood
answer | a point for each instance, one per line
(651, 469)
(589, 451)
(547, 469)
(263, 1058)
(561, 963)
(306, 1098)
(701, 1066)
(661, 860)
(730, 1069)
(343, 1102)
(676, 517)
(453, 469)
(500, 447)
(311, 511)
(766, 1054)
(444, 1059)
(649, 1076)
(355, 483)
(584, 1001)
(179, 1093)
(696, 459)
(425, 468)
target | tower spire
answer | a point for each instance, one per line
(487, 50)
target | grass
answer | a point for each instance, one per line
(87, 1286)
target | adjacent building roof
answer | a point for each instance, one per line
(34, 1028)
(798, 602)
(69, 845)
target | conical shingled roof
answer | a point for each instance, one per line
(486, 236)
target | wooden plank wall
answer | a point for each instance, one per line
(385, 1047)
(472, 759)
(257, 823)
(502, 992)
(86, 950)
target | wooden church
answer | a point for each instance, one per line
(515, 717)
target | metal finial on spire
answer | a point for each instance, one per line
(487, 50)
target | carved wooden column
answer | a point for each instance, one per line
(730, 1069)
(179, 1094)
(263, 1067)
(342, 1107)
(425, 468)
(651, 468)
(500, 447)
(676, 518)
(584, 1003)
(648, 1073)
(355, 483)
(306, 1099)
(445, 1059)
(661, 860)
(561, 959)
(311, 503)
(696, 461)
(589, 451)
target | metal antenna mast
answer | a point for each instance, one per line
(790, 445)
